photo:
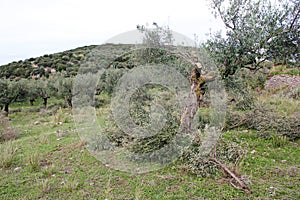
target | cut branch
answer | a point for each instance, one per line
(243, 121)
(239, 181)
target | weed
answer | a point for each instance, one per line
(33, 163)
(7, 154)
(71, 185)
(61, 117)
(44, 139)
(45, 186)
(278, 141)
(49, 170)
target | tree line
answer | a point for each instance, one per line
(30, 90)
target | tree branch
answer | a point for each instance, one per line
(295, 18)
(243, 187)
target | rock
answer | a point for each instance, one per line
(17, 169)
(37, 123)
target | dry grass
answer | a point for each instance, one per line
(7, 154)
(6, 130)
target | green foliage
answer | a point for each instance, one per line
(42, 66)
(274, 118)
(64, 87)
(239, 93)
(280, 141)
(11, 91)
(140, 112)
(109, 79)
(256, 31)
(157, 37)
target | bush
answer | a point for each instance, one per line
(239, 93)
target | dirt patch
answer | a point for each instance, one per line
(282, 80)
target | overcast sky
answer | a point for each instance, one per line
(33, 28)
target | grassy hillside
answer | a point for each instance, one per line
(67, 62)
(43, 157)
(49, 161)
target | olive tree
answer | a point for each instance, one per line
(32, 91)
(11, 91)
(256, 31)
(157, 36)
(63, 89)
(45, 89)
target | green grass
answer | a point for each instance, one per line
(283, 69)
(48, 161)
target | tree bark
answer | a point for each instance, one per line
(6, 109)
(31, 101)
(69, 102)
(45, 101)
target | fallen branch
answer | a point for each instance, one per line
(243, 121)
(241, 183)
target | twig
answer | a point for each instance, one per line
(243, 121)
(243, 186)
(233, 185)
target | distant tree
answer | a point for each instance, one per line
(11, 91)
(256, 31)
(32, 90)
(157, 36)
(44, 89)
(64, 88)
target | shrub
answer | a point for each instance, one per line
(239, 93)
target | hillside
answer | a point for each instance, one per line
(66, 62)
(43, 154)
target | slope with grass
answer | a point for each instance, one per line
(48, 161)
(42, 156)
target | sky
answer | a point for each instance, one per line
(33, 28)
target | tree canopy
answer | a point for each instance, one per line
(256, 31)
